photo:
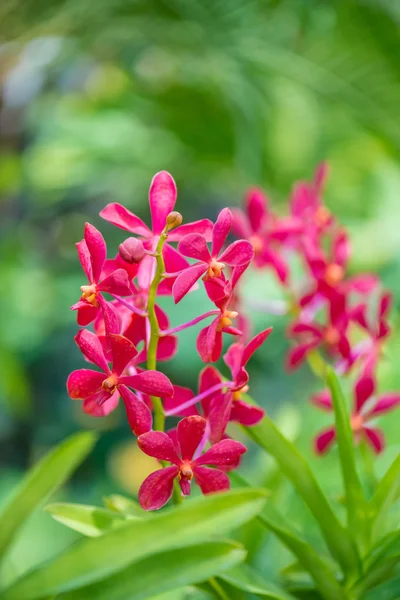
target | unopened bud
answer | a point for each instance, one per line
(131, 250)
(174, 219)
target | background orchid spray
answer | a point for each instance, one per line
(338, 325)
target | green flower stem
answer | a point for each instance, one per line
(159, 417)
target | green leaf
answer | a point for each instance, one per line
(297, 470)
(123, 505)
(93, 559)
(386, 591)
(88, 520)
(311, 561)
(164, 571)
(41, 481)
(386, 493)
(355, 501)
(248, 580)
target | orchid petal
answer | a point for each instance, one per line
(195, 246)
(323, 400)
(84, 259)
(239, 253)
(112, 321)
(83, 383)
(137, 412)
(122, 351)
(190, 432)
(375, 438)
(91, 348)
(257, 208)
(156, 489)
(341, 249)
(86, 313)
(92, 407)
(153, 383)
(221, 230)
(223, 454)
(203, 226)
(245, 414)
(167, 347)
(211, 480)
(123, 218)
(185, 280)
(385, 403)
(162, 199)
(277, 263)
(218, 415)
(181, 395)
(363, 390)
(116, 283)
(209, 342)
(324, 440)
(158, 445)
(240, 224)
(297, 355)
(254, 344)
(97, 250)
(208, 378)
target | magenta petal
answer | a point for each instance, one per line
(156, 489)
(254, 344)
(298, 327)
(324, 440)
(167, 347)
(92, 407)
(375, 438)
(239, 253)
(245, 414)
(363, 284)
(190, 432)
(186, 280)
(86, 313)
(158, 445)
(223, 454)
(162, 198)
(111, 316)
(341, 249)
(363, 390)
(122, 351)
(221, 230)
(211, 480)
(209, 342)
(297, 355)
(195, 246)
(91, 348)
(121, 217)
(174, 262)
(152, 383)
(277, 262)
(208, 378)
(204, 227)
(240, 224)
(84, 383)
(322, 400)
(97, 250)
(218, 415)
(385, 403)
(116, 283)
(181, 395)
(385, 305)
(138, 414)
(257, 208)
(84, 259)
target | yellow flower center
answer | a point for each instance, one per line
(89, 294)
(214, 269)
(226, 319)
(322, 216)
(331, 336)
(257, 243)
(357, 423)
(238, 394)
(110, 384)
(334, 274)
(185, 472)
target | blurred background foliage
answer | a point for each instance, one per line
(97, 97)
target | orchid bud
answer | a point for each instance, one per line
(131, 250)
(174, 219)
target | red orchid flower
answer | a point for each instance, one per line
(306, 204)
(92, 254)
(162, 199)
(210, 264)
(96, 388)
(265, 231)
(366, 407)
(157, 488)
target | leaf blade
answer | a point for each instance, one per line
(91, 521)
(248, 580)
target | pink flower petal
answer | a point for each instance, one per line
(240, 224)
(209, 342)
(341, 249)
(324, 440)
(257, 208)
(135, 329)
(277, 263)
(203, 226)
(174, 262)
(97, 250)
(112, 321)
(91, 348)
(254, 344)
(218, 415)
(146, 272)
(363, 284)
(153, 383)
(162, 198)
(297, 355)
(86, 313)
(240, 252)
(299, 327)
(137, 412)
(121, 217)
(221, 230)
(385, 305)
(167, 347)
(223, 454)
(233, 358)
(92, 407)
(156, 489)
(385, 403)
(190, 432)
(185, 281)
(208, 378)
(84, 383)
(363, 390)
(211, 480)
(322, 400)
(158, 445)
(321, 175)
(122, 351)
(375, 438)
(116, 283)
(195, 246)
(84, 259)
(245, 414)
(181, 395)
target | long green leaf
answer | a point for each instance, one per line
(41, 481)
(308, 557)
(93, 559)
(123, 505)
(164, 571)
(88, 520)
(387, 491)
(297, 470)
(248, 580)
(390, 590)
(356, 503)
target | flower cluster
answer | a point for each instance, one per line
(131, 334)
(331, 317)
(333, 312)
